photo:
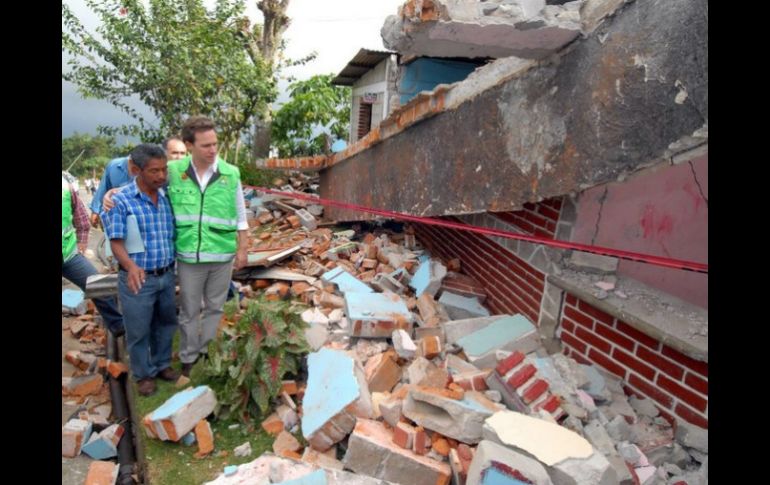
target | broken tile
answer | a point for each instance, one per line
(459, 307)
(104, 444)
(508, 333)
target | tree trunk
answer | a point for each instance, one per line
(275, 23)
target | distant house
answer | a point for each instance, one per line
(372, 75)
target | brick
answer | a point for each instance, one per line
(371, 444)
(522, 376)
(116, 369)
(285, 441)
(74, 434)
(669, 367)
(592, 340)
(505, 365)
(102, 473)
(549, 404)
(636, 335)
(403, 435)
(607, 363)
(571, 299)
(180, 413)
(421, 442)
(650, 391)
(633, 363)
(382, 372)
(273, 424)
(204, 437)
(472, 381)
(595, 313)
(534, 391)
(82, 385)
(681, 392)
(697, 383)
(691, 416)
(701, 368)
(613, 336)
(576, 344)
(578, 317)
(430, 347)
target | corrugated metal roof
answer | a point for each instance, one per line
(361, 63)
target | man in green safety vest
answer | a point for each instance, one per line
(211, 235)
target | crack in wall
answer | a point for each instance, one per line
(700, 189)
(599, 216)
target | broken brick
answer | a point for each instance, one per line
(205, 438)
(102, 473)
(82, 385)
(273, 424)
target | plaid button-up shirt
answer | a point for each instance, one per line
(156, 225)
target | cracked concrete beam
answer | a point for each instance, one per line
(462, 28)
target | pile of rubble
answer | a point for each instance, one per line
(413, 381)
(91, 430)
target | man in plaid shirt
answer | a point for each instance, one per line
(75, 267)
(146, 281)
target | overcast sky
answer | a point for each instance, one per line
(335, 29)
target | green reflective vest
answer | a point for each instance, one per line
(69, 241)
(206, 222)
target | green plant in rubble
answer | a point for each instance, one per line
(248, 361)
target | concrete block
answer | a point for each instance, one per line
(204, 437)
(427, 278)
(390, 410)
(74, 434)
(370, 447)
(456, 365)
(516, 467)
(644, 406)
(73, 302)
(593, 263)
(180, 413)
(422, 372)
(385, 282)
(595, 433)
(306, 219)
(595, 470)
(376, 315)
(692, 436)
(456, 329)
(102, 473)
(596, 386)
(316, 335)
(382, 372)
(345, 281)
(458, 419)
(104, 445)
(403, 343)
(508, 333)
(336, 395)
(459, 307)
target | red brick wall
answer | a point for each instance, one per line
(512, 285)
(678, 384)
(535, 219)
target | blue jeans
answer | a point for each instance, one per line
(150, 319)
(77, 270)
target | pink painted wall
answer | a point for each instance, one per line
(661, 211)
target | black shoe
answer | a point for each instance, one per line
(186, 368)
(146, 387)
(118, 333)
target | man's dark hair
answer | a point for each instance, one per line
(165, 142)
(195, 124)
(142, 154)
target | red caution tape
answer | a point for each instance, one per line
(616, 253)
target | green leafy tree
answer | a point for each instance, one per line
(249, 359)
(317, 114)
(90, 153)
(178, 57)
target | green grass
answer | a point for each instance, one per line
(170, 463)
